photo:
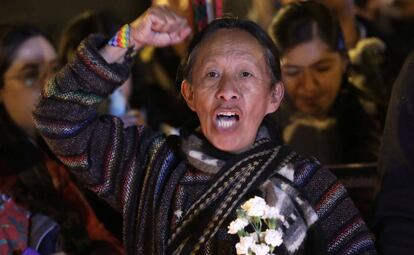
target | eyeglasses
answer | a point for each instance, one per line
(33, 75)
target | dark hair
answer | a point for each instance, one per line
(21, 158)
(270, 50)
(83, 25)
(300, 22)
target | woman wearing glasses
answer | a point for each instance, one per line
(41, 209)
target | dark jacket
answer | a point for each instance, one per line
(394, 221)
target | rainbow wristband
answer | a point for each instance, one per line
(121, 38)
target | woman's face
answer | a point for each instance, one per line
(34, 62)
(312, 74)
(231, 90)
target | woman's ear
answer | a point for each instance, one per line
(188, 94)
(276, 95)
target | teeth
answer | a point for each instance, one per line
(225, 123)
(226, 119)
(227, 114)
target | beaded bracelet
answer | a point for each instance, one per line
(121, 38)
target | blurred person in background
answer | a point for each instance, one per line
(323, 114)
(368, 68)
(41, 207)
(367, 49)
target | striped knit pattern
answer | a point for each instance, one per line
(358, 246)
(76, 162)
(134, 169)
(129, 175)
(305, 172)
(51, 90)
(345, 234)
(60, 129)
(330, 199)
(112, 154)
(344, 230)
(90, 60)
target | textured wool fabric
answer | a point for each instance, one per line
(169, 189)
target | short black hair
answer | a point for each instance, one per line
(270, 50)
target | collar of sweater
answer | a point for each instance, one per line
(204, 156)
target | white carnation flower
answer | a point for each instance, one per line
(256, 212)
(237, 225)
(255, 206)
(244, 245)
(273, 237)
(272, 213)
(260, 249)
(254, 236)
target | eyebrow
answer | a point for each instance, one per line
(24, 67)
(35, 65)
(29, 66)
(326, 60)
(323, 61)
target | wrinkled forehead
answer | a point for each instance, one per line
(234, 35)
(229, 41)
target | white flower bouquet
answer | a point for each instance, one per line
(264, 220)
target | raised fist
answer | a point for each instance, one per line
(158, 26)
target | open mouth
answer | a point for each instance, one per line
(227, 119)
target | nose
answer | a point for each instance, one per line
(228, 89)
(309, 82)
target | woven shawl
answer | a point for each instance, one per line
(238, 177)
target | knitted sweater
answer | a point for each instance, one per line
(155, 181)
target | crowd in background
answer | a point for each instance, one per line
(339, 58)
